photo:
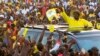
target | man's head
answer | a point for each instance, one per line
(76, 15)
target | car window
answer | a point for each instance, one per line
(47, 33)
(87, 40)
(35, 34)
(75, 46)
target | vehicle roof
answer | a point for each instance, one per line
(86, 39)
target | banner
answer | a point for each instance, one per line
(51, 13)
(25, 32)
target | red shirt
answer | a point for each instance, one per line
(15, 32)
(44, 11)
(9, 22)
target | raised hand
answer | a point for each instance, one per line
(42, 34)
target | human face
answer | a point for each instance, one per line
(76, 15)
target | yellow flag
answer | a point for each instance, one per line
(25, 32)
(51, 28)
(51, 14)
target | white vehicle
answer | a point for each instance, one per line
(85, 39)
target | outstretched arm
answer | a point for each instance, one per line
(42, 34)
(71, 42)
(63, 14)
(49, 41)
(87, 24)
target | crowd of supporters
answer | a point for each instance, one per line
(15, 14)
(19, 46)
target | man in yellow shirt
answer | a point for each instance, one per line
(75, 23)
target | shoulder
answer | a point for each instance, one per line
(83, 19)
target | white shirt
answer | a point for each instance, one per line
(65, 4)
(93, 3)
(99, 14)
(24, 11)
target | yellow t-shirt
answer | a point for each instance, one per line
(75, 24)
(91, 15)
(35, 49)
(98, 26)
(15, 22)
